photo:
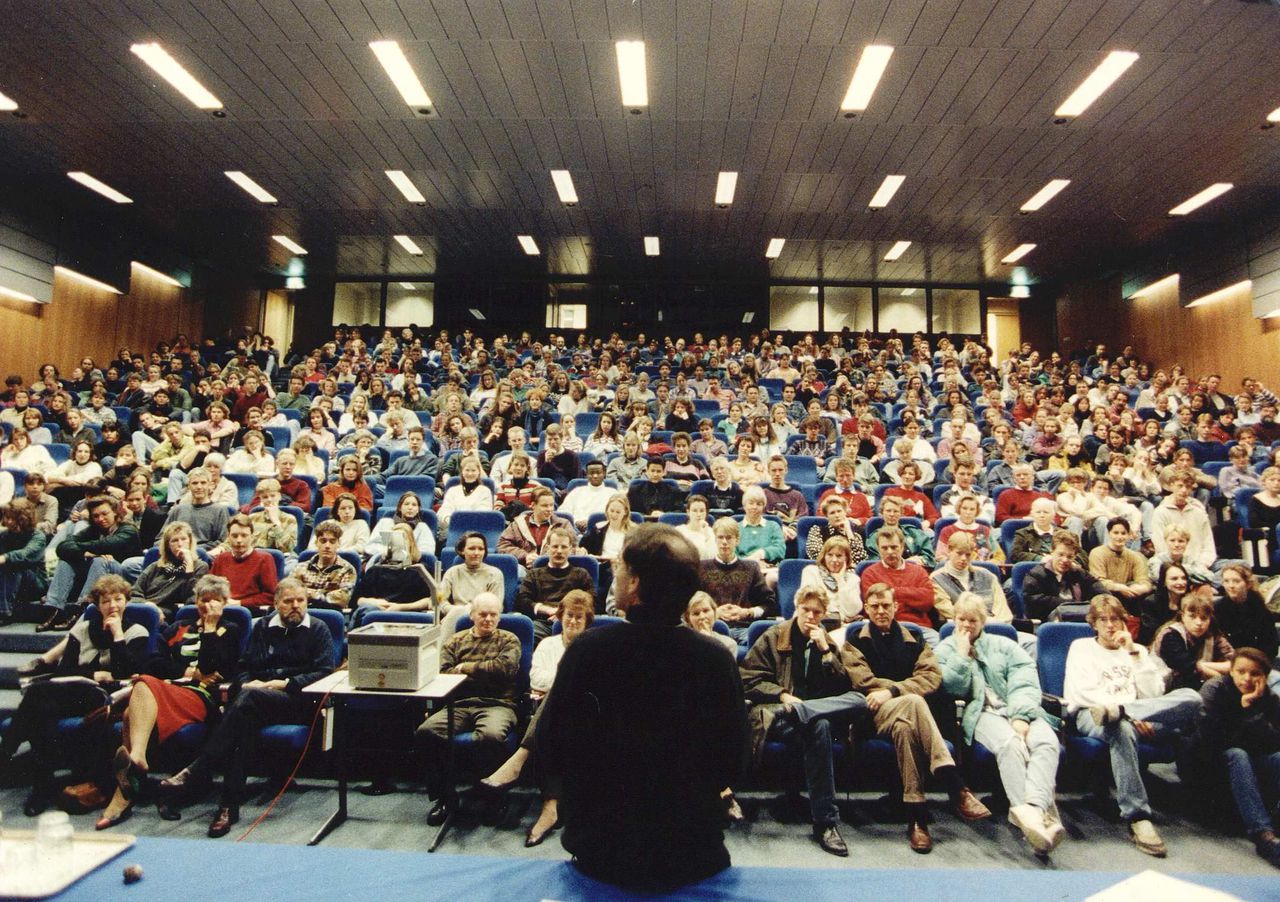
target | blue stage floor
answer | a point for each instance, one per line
(250, 872)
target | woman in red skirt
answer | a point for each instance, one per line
(196, 657)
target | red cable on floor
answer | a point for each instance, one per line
(310, 732)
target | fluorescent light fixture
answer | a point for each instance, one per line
(294, 283)
(86, 280)
(102, 188)
(1158, 285)
(253, 188)
(1020, 291)
(1101, 78)
(871, 65)
(9, 105)
(774, 248)
(286, 241)
(897, 250)
(908, 292)
(401, 73)
(564, 186)
(530, 246)
(726, 185)
(1018, 253)
(408, 244)
(651, 247)
(748, 316)
(407, 286)
(407, 188)
(1273, 116)
(476, 313)
(888, 188)
(1044, 195)
(171, 71)
(813, 289)
(157, 274)
(1221, 293)
(631, 73)
(16, 295)
(1213, 192)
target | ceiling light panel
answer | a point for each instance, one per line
(897, 250)
(101, 187)
(1221, 293)
(775, 247)
(173, 72)
(726, 186)
(1093, 87)
(888, 188)
(632, 75)
(1044, 195)
(866, 77)
(253, 188)
(86, 280)
(1274, 115)
(1018, 253)
(1158, 285)
(408, 244)
(1213, 192)
(156, 274)
(397, 67)
(651, 246)
(530, 246)
(287, 242)
(8, 104)
(564, 186)
(407, 187)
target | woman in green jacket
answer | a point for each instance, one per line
(997, 682)
(22, 571)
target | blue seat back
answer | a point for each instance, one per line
(1007, 529)
(1052, 642)
(489, 523)
(803, 526)
(326, 513)
(801, 469)
(145, 615)
(757, 629)
(789, 572)
(246, 486)
(152, 554)
(423, 486)
(995, 629)
(1016, 601)
(337, 625)
(1240, 505)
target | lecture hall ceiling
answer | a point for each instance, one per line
(965, 111)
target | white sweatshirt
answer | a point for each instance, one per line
(1106, 676)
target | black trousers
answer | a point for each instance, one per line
(36, 721)
(236, 736)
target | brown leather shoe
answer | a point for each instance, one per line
(967, 806)
(222, 822)
(918, 836)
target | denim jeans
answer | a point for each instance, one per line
(64, 579)
(1028, 769)
(811, 723)
(1251, 777)
(1169, 714)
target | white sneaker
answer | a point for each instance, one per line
(1030, 820)
(1147, 839)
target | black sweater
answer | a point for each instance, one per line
(1224, 723)
(1248, 624)
(300, 655)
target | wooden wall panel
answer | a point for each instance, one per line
(83, 320)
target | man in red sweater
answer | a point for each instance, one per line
(293, 491)
(859, 506)
(251, 572)
(913, 591)
(1015, 502)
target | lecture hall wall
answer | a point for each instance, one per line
(83, 320)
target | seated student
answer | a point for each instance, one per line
(761, 539)
(581, 502)
(515, 493)
(45, 505)
(23, 577)
(351, 479)
(1264, 507)
(1239, 726)
(833, 508)
(917, 600)
(555, 462)
(744, 467)
(966, 484)
(408, 511)
(833, 574)
(253, 457)
(654, 495)
(859, 506)
(706, 443)
(903, 455)
(957, 575)
(517, 443)
(207, 519)
(782, 498)
(915, 503)
(420, 461)
(168, 582)
(1058, 580)
(811, 442)
(398, 582)
(796, 677)
(1079, 510)
(967, 522)
(463, 582)
(1034, 541)
(697, 529)
(724, 494)
(919, 542)
(287, 651)
(997, 682)
(526, 535)
(1115, 692)
(1016, 502)
(1241, 613)
(542, 588)
(682, 467)
(485, 707)
(1121, 570)
(896, 671)
(251, 572)
(71, 480)
(328, 578)
(86, 555)
(1239, 475)
(1192, 647)
(104, 655)
(469, 493)
(736, 583)
(604, 540)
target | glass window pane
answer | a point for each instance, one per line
(357, 303)
(957, 310)
(793, 308)
(847, 307)
(906, 314)
(411, 306)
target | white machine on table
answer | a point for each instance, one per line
(395, 656)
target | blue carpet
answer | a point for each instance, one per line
(249, 872)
